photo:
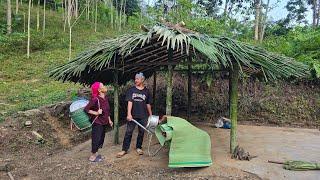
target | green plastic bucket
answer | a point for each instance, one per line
(80, 119)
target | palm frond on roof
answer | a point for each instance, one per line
(128, 52)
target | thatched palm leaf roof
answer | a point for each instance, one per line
(148, 51)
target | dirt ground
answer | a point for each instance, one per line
(63, 158)
(269, 143)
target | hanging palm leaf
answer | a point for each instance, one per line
(298, 165)
(127, 51)
(301, 165)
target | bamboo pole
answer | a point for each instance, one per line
(169, 84)
(116, 108)
(154, 91)
(189, 88)
(233, 105)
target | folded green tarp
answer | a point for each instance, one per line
(189, 145)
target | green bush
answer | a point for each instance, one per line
(303, 44)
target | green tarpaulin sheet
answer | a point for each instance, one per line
(189, 145)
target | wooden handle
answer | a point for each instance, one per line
(276, 162)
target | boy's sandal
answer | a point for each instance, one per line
(97, 159)
(139, 151)
(121, 154)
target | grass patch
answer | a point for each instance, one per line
(24, 82)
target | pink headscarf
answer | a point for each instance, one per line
(95, 89)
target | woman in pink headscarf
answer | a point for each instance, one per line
(99, 110)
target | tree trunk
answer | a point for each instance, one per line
(17, 6)
(76, 14)
(257, 19)
(233, 105)
(88, 10)
(120, 19)
(70, 27)
(141, 11)
(24, 22)
(96, 16)
(44, 17)
(38, 16)
(93, 10)
(264, 22)
(28, 44)
(66, 8)
(111, 14)
(124, 13)
(70, 42)
(225, 8)
(314, 14)
(9, 19)
(230, 10)
(66, 15)
(318, 15)
(63, 10)
(117, 15)
(165, 9)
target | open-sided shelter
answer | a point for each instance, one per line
(163, 47)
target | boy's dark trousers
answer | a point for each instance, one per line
(128, 136)
(98, 134)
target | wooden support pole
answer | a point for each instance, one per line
(154, 92)
(169, 85)
(233, 105)
(116, 108)
(189, 88)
